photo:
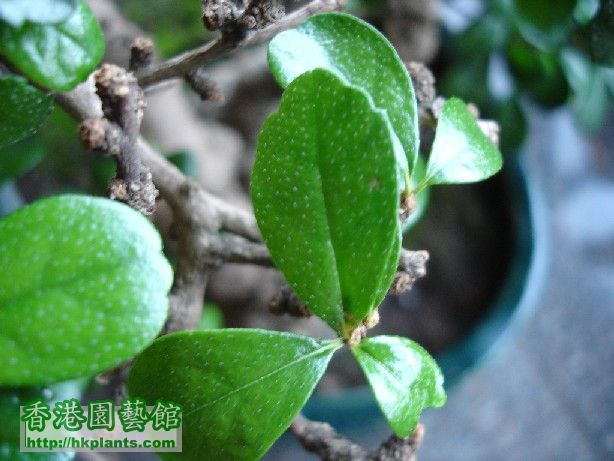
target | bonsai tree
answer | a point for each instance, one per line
(338, 177)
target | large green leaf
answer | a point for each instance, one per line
(23, 109)
(359, 54)
(325, 192)
(404, 378)
(83, 288)
(11, 398)
(56, 56)
(239, 389)
(15, 12)
(461, 153)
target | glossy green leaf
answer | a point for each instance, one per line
(11, 398)
(239, 389)
(83, 288)
(359, 54)
(461, 153)
(325, 192)
(15, 12)
(56, 56)
(23, 109)
(404, 378)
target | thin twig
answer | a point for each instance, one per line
(183, 64)
(322, 440)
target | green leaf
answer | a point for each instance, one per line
(404, 378)
(538, 73)
(361, 56)
(11, 398)
(590, 101)
(585, 10)
(15, 12)
(325, 192)
(461, 153)
(24, 108)
(19, 158)
(56, 56)
(212, 318)
(83, 288)
(544, 23)
(239, 389)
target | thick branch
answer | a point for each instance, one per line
(181, 65)
(199, 216)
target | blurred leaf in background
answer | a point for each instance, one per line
(552, 53)
(602, 34)
(174, 24)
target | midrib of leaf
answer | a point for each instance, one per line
(328, 217)
(383, 366)
(333, 345)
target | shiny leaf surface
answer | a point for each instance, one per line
(404, 378)
(239, 389)
(83, 288)
(362, 56)
(56, 56)
(461, 153)
(325, 192)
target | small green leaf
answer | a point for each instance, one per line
(83, 288)
(239, 389)
(15, 12)
(361, 56)
(461, 153)
(404, 378)
(24, 108)
(56, 56)
(325, 189)
(11, 398)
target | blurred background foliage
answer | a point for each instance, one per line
(175, 25)
(550, 53)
